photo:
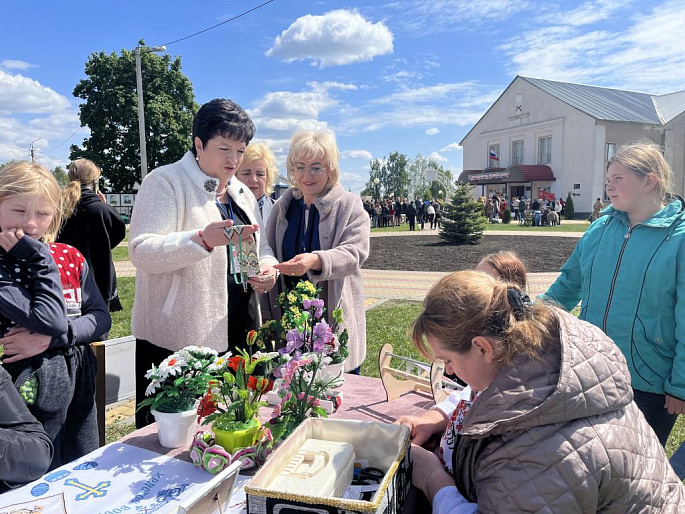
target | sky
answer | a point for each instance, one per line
(410, 76)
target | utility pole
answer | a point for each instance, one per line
(32, 150)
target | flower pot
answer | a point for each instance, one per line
(334, 371)
(232, 440)
(175, 429)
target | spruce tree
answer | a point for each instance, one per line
(462, 219)
(569, 210)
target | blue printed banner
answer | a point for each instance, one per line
(113, 479)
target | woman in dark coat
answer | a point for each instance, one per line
(94, 228)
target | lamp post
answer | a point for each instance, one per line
(141, 114)
(32, 150)
(377, 195)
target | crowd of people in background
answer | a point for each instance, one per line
(390, 212)
(534, 212)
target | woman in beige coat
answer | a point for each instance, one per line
(320, 233)
(550, 426)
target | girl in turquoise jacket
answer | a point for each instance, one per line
(628, 270)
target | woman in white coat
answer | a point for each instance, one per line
(188, 290)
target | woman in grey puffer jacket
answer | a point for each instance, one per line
(551, 425)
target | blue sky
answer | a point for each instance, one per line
(410, 76)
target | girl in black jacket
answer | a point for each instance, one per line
(93, 227)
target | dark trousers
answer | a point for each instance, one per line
(412, 222)
(652, 406)
(147, 354)
(65, 404)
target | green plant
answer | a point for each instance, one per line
(569, 210)
(179, 380)
(462, 219)
(235, 391)
(506, 216)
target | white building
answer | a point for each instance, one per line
(557, 136)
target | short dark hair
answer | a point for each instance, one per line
(222, 117)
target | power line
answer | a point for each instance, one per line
(219, 24)
(67, 139)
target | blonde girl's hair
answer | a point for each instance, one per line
(314, 145)
(466, 304)
(643, 158)
(257, 152)
(25, 178)
(81, 172)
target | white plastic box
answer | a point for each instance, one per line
(383, 446)
(319, 468)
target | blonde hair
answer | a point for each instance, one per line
(466, 304)
(309, 144)
(25, 178)
(257, 152)
(643, 158)
(81, 172)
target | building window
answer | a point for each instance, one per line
(493, 156)
(545, 150)
(517, 152)
(611, 150)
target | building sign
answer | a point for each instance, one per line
(493, 175)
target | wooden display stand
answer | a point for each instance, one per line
(417, 376)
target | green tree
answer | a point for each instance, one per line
(462, 219)
(8, 163)
(60, 175)
(569, 209)
(392, 174)
(111, 112)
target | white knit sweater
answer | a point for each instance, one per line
(181, 288)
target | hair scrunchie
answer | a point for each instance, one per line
(519, 301)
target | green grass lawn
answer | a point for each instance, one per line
(120, 253)
(121, 321)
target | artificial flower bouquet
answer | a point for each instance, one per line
(311, 346)
(180, 380)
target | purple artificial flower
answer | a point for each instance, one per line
(294, 340)
(319, 308)
(322, 335)
(307, 304)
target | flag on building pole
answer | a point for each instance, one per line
(494, 156)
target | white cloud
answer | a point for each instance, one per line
(460, 104)
(30, 111)
(13, 64)
(332, 39)
(421, 17)
(19, 94)
(451, 146)
(426, 93)
(403, 77)
(432, 131)
(435, 156)
(646, 55)
(357, 154)
(586, 14)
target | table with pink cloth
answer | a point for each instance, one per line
(364, 399)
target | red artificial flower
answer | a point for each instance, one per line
(207, 406)
(234, 362)
(251, 337)
(252, 383)
(264, 385)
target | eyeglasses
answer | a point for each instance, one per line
(313, 170)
